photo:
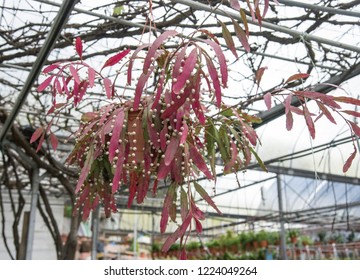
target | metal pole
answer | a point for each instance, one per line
(320, 8)
(275, 27)
(59, 22)
(35, 183)
(95, 232)
(281, 218)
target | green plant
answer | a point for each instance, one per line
(306, 240)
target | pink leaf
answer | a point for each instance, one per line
(91, 76)
(79, 47)
(222, 61)
(85, 170)
(349, 161)
(54, 141)
(184, 133)
(198, 226)
(178, 62)
(140, 86)
(114, 141)
(115, 59)
(215, 79)
(267, 99)
(155, 45)
(297, 77)
(289, 120)
(235, 4)
(259, 73)
(45, 84)
(107, 86)
(199, 161)
(37, 133)
(50, 68)
(131, 62)
(187, 69)
(240, 33)
(287, 103)
(266, 8)
(75, 74)
(159, 89)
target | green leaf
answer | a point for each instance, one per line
(199, 189)
(260, 162)
(118, 10)
(184, 204)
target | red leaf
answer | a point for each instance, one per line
(45, 84)
(37, 133)
(199, 161)
(309, 122)
(155, 45)
(54, 141)
(326, 112)
(107, 86)
(178, 62)
(349, 161)
(115, 59)
(349, 100)
(267, 99)
(171, 150)
(198, 226)
(297, 77)
(79, 47)
(241, 36)
(168, 201)
(289, 120)
(352, 113)
(228, 39)
(187, 69)
(91, 76)
(178, 233)
(42, 138)
(355, 128)
(159, 89)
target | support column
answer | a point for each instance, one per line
(281, 220)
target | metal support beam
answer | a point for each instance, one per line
(271, 26)
(281, 220)
(59, 22)
(320, 8)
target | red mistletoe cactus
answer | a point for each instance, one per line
(171, 129)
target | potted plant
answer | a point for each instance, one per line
(263, 238)
(293, 235)
(306, 240)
